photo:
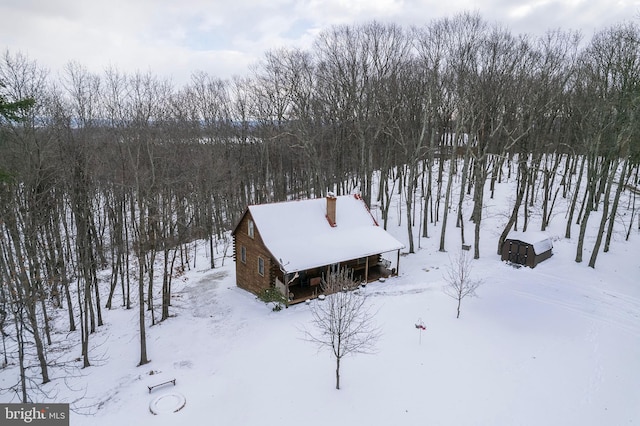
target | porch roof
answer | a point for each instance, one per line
(299, 236)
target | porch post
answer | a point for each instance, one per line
(286, 289)
(398, 264)
(366, 270)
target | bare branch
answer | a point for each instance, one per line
(343, 322)
(459, 281)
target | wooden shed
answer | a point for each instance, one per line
(526, 248)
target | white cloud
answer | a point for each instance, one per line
(523, 10)
(222, 37)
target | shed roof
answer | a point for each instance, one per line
(541, 242)
(299, 236)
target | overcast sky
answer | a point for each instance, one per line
(173, 38)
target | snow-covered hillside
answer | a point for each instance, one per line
(554, 345)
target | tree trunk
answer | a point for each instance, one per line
(141, 254)
(523, 173)
(463, 182)
(583, 224)
(548, 182)
(84, 326)
(20, 341)
(605, 212)
(574, 199)
(478, 195)
(447, 197)
(616, 200)
(166, 284)
(141, 319)
(410, 178)
(63, 271)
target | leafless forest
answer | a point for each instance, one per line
(113, 171)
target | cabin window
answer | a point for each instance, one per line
(250, 228)
(243, 254)
(261, 266)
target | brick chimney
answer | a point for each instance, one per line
(331, 208)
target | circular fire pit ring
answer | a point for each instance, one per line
(167, 403)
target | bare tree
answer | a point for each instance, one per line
(608, 74)
(459, 281)
(343, 321)
(24, 200)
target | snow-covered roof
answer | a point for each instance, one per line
(541, 242)
(299, 236)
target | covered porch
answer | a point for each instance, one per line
(304, 285)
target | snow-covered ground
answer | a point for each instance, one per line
(554, 345)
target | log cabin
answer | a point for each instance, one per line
(292, 245)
